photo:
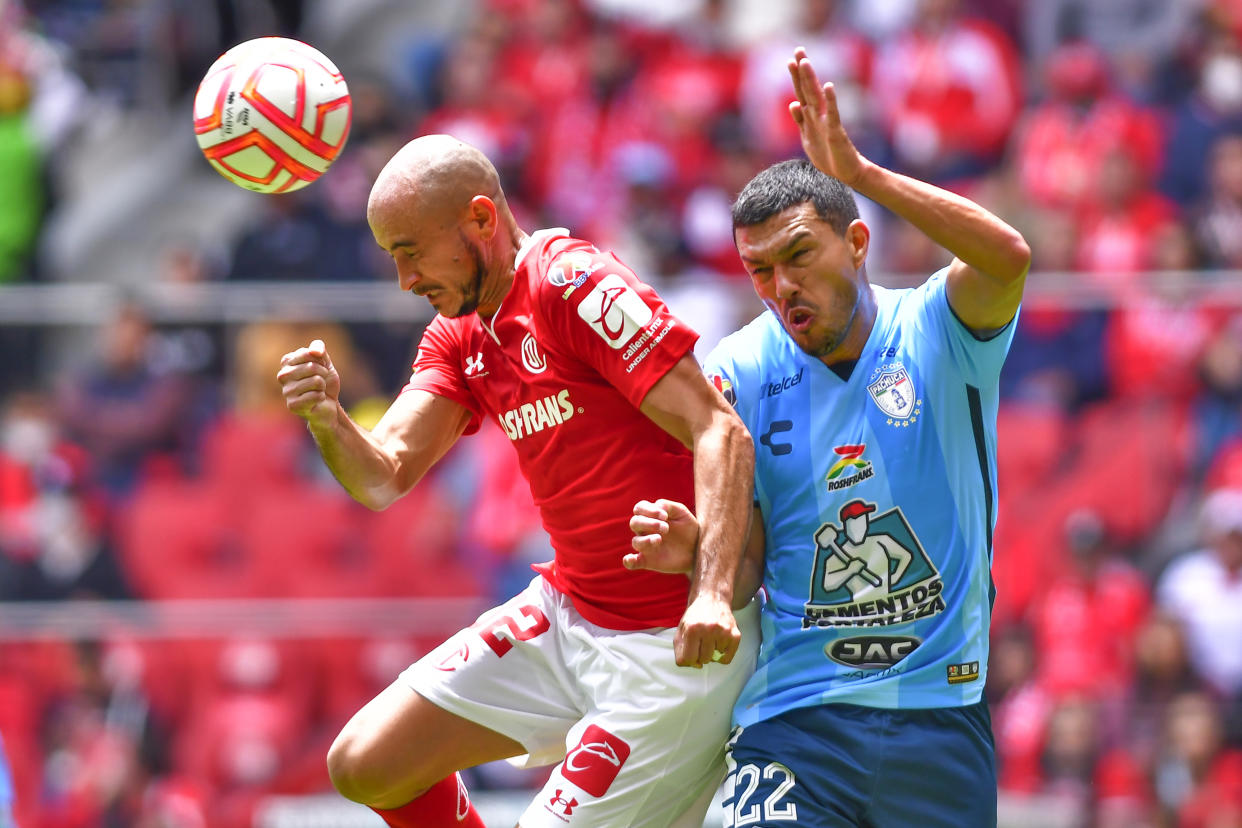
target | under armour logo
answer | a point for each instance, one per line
(474, 364)
(566, 806)
(777, 427)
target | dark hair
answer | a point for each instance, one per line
(789, 183)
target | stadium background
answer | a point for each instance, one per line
(190, 607)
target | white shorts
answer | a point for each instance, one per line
(639, 739)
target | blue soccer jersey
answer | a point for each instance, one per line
(878, 495)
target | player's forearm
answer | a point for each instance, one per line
(358, 461)
(968, 231)
(750, 568)
(724, 462)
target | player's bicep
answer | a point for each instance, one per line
(983, 303)
(684, 403)
(417, 430)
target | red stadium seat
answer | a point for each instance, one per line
(303, 542)
(415, 540)
(178, 540)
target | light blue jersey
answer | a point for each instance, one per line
(879, 498)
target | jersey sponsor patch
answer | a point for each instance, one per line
(596, 760)
(962, 673)
(572, 269)
(534, 416)
(725, 387)
(614, 310)
(871, 652)
(850, 468)
(870, 570)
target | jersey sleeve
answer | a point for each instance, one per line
(602, 314)
(436, 369)
(979, 360)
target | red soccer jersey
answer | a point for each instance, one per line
(562, 367)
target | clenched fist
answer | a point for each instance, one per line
(311, 385)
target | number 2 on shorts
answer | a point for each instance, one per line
(532, 623)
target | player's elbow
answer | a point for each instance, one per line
(377, 498)
(1017, 257)
(734, 435)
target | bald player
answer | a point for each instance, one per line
(593, 380)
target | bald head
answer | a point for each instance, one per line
(433, 176)
(438, 210)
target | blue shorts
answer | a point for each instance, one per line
(844, 766)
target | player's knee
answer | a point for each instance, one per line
(359, 773)
(354, 771)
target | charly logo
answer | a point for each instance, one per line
(870, 571)
(768, 438)
(850, 467)
(893, 392)
(532, 358)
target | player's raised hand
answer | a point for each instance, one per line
(824, 139)
(310, 384)
(708, 632)
(666, 535)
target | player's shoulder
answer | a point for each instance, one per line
(555, 262)
(742, 353)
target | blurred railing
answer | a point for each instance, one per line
(85, 303)
(271, 618)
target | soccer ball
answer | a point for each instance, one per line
(272, 114)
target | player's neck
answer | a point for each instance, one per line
(499, 280)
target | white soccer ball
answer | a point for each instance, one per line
(272, 114)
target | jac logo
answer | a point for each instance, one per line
(596, 760)
(872, 652)
(474, 365)
(614, 311)
(558, 802)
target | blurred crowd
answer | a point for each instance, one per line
(162, 464)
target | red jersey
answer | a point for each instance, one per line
(562, 367)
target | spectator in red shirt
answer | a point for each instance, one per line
(1063, 141)
(1097, 589)
(949, 92)
(1120, 221)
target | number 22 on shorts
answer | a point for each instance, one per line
(770, 809)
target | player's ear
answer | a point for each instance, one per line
(858, 237)
(483, 217)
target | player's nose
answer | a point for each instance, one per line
(410, 280)
(784, 282)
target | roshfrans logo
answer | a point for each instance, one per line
(544, 412)
(771, 389)
(851, 468)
